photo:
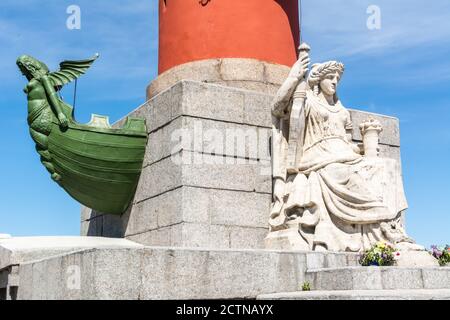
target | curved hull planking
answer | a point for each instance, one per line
(99, 167)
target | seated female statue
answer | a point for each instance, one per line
(328, 194)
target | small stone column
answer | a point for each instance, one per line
(370, 131)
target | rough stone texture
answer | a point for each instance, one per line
(389, 136)
(165, 273)
(416, 259)
(376, 278)
(361, 295)
(248, 74)
(221, 196)
(200, 235)
(15, 251)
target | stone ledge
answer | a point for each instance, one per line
(379, 278)
(361, 295)
(235, 72)
(18, 250)
(167, 273)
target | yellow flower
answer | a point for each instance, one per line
(381, 245)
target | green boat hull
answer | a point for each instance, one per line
(99, 166)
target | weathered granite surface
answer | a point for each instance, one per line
(241, 73)
(216, 197)
(414, 294)
(379, 278)
(14, 251)
(170, 273)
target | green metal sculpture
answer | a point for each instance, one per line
(96, 164)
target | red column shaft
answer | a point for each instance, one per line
(266, 30)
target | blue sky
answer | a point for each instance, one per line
(402, 70)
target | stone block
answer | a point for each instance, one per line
(361, 295)
(211, 102)
(328, 279)
(220, 217)
(206, 171)
(380, 278)
(162, 273)
(258, 109)
(214, 274)
(402, 278)
(247, 74)
(158, 178)
(390, 134)
(390, 152)
(170, 236)
(245, 209)
(4, 278)
(202, 235)
(210, 137)
(228, 173)
(436, 278)
(242, 69)
(205, 70)
(253, 86)
(275, 73)
(367, 279)
(253, 238)
(93, 227)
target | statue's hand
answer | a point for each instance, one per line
(300, 68)
(63, 120)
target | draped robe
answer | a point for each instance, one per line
(338, 199)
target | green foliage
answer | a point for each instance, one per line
(442, 254)
(306, 286)
(381, 254)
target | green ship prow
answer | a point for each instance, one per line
(99, 166)
(96, 164)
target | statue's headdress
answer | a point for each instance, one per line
(320, 70)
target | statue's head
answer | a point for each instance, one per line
(324, 77)
(31, 67)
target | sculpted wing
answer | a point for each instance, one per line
(70, 70)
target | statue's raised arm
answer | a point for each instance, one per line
(327, 194)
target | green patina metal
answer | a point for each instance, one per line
(96, 164)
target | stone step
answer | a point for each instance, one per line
(379, 278)
(420, 294)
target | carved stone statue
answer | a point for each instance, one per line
(329, 193)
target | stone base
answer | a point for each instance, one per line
(240, 73)
(166, 273)
(219, 197)
(93, 269)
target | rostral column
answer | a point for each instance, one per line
(205, 40)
